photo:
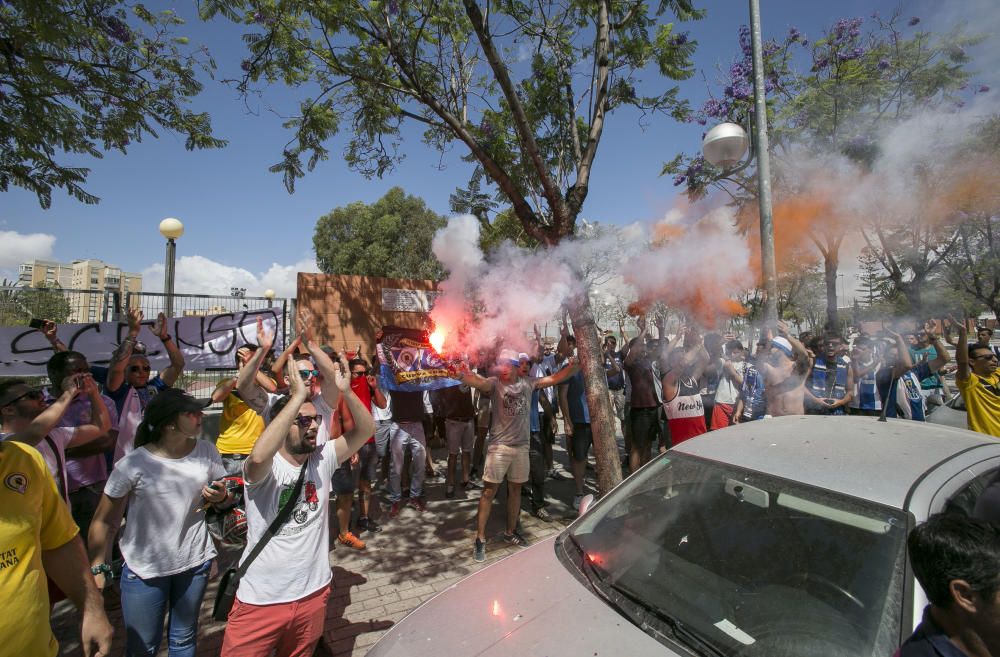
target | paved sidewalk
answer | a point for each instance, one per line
(413, 558)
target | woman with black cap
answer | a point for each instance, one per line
(167, 483)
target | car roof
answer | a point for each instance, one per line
(857, 456)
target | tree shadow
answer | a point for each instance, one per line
(340, 634)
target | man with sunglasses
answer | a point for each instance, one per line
(129, 383)
(365, 386)
(979, 382)
(281, 600)
(28, 419)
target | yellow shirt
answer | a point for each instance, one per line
(239, 427)
(982, 402)
(33, 518)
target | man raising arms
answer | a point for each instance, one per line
(508, 446)
(281, 600)
(785, 372)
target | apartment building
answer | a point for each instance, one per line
(86, 283)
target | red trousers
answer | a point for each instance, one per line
(293, 628)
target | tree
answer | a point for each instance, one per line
(18, 306)
(974, 266)
(859, 84)
(87, 76)
(525, 88)
(391, 237)
(871, 289)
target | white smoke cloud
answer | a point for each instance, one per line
(201, 275)
(24, 247)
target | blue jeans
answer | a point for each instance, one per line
(145, 603)
(403, 434)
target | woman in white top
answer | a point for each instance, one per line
(167, 482)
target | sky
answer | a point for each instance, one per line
(243, 229)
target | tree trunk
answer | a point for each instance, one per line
(830, 266)
(602, 417)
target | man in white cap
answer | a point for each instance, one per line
(509, 439)
(785, 372)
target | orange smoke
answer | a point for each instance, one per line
(639, 308)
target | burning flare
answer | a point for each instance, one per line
(436, 338)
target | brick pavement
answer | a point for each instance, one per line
(413, 558)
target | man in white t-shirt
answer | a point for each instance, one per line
(26, 418)
(281, 601)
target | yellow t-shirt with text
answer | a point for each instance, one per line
(239, 427)
(982, 402)
(33, 518)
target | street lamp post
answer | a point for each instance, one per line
(725, 144)
(171, 229)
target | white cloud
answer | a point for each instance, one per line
(200, 275)
(19, 247)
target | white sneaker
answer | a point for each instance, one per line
(576, 502)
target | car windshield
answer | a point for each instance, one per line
(733, 562)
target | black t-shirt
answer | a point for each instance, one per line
(455, 402)
(407, 406)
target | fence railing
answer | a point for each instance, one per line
(20, 305)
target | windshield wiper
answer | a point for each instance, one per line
(680, 631)
(610, 592)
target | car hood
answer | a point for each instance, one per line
(526, 604)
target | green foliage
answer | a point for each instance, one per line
(18, 306)
(525, 89)
(505, 227)
(391, 237)
(80, 77)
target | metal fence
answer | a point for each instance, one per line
(20, 305)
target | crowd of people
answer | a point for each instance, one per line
(115, 451)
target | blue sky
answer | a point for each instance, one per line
(248, 231)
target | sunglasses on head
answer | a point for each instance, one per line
(305, 373)
(305, 420)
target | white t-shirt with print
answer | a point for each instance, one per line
(295, 562)
(165, 533)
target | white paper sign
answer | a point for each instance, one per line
(408, 301)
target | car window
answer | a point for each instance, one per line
(980, 498)
(756, 565)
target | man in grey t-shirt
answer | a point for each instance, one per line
(507, 448)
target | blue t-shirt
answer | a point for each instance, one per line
(888, 391)
(535, 424)
(933, 381)
(576, 395)
(929, 640)
(154, 386)
(752, 393)
(616, 382)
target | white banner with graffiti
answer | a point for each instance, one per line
(207, 342)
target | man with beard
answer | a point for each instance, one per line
(281, 600)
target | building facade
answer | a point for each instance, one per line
(86, 284)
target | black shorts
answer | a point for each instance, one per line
(345, 480)
(583, 438)
(645, 427)
(368, 454)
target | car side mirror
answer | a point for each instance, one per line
(585, 504)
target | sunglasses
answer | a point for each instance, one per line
(985, 357)
(306, 373)
(359, 373)
(33, 395)
(305, 420)
(139, 368)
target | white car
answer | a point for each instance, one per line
(785, 536)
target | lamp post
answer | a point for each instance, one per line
(269, 295)
(171, 229)
(724, 146)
